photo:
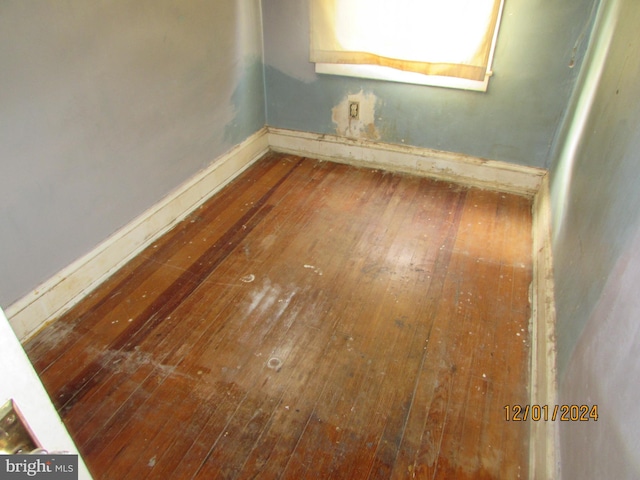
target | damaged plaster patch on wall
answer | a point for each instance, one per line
(362, 127)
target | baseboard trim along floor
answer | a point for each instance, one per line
(544, 458)
(454, 167)
(61, 292)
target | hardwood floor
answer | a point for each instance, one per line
(313, 320)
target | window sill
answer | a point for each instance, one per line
(376, 72)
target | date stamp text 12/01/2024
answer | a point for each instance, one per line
(545, 413)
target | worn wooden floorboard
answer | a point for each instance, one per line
(312, 320)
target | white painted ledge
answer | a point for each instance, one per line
(448, 166)
(62, 291)
(544, 459)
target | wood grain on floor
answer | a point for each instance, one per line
(312, 320)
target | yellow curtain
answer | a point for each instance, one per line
(433, 37)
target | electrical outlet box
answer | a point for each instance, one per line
(354, 110)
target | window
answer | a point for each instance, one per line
(434, 42)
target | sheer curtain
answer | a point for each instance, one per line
(434, 37)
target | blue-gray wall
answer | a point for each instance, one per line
(105, 107)
(514, 121)
(596, 211)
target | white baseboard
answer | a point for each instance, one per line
(544, 459)
(464, 169)
(453, 167)
(62, 291)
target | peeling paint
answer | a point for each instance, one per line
(513, 122)
(362, 127)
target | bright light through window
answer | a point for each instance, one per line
(425, 34)
(452, 38)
